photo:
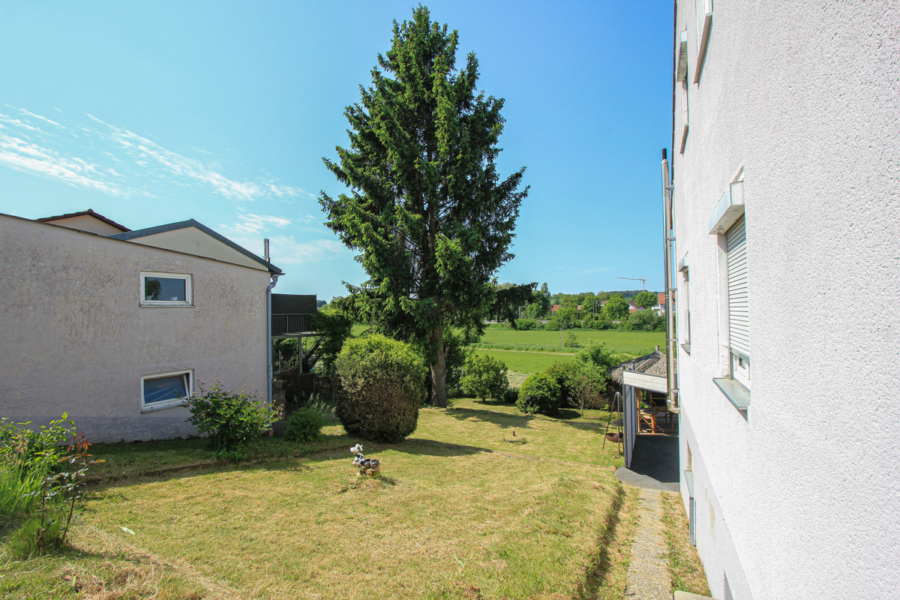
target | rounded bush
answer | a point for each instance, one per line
(304, 425)
(539, 394)
(379, 383)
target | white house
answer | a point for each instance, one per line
(786, 208)
(115, 326)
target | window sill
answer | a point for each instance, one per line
(162, 406)
(166, 305)
(686, 348)
(736, 393)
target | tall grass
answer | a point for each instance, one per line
(19, 489)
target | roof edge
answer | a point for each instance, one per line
(84, 213)
(197, 225)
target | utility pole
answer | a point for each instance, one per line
(642, 280)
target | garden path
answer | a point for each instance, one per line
(648, 573)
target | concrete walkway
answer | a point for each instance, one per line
(648, 572)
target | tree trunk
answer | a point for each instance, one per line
(439, 366)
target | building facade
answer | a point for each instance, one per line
(786, 211)
(113, 326)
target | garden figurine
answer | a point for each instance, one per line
(367, 466)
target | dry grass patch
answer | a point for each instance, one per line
(443, 524)
(466, 510)
(685, 567)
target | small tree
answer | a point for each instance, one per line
(539, 394)
(616, 308)
(645, 299)
(485, 377)
(380, 388)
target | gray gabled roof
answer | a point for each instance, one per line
(196, 224)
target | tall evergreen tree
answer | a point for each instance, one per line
(427, 211)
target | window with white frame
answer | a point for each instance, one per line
(165, 390)
(738, 302)
(166, 289)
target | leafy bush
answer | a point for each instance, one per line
(571, 340)
(601, 324)
(564, 373)
(379, 388)
(526, 324)
(645, 320)
(30, 449)
(56, 500)
(230, 419)
(511, 395)
(485, 376)
(27, 458)
(304, 425)
(539, 394)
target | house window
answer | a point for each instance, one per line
(166, 289)
(165, 390)
(738, 302)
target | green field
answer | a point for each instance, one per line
(525, 362)
(632, 342)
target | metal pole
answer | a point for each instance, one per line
(671, 388)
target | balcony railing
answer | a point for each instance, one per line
(289, 324)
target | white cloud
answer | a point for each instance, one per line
(31, 114)
(142, 167)
(27, 157)
(287, 250)
(249, 223)
(142, 148)
(17, 123)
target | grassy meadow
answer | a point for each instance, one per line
(526, 362)
(636, 343)
(480, 502)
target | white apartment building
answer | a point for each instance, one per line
(786, 260)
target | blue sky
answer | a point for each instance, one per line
(158, 112)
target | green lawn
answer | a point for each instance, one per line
(481, 502)
(525, 362)
(631, 342)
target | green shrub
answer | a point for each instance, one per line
(230, 419)
(485, 376)
(564, 373)
(645, 320)
(511, 395)
(379, 388)
(27, 458)
(304, 425)
(526, 324)
(539, 394)
(571, 340)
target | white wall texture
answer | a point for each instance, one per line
(800, 499)
(75, 339)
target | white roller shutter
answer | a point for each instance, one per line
(738, 305)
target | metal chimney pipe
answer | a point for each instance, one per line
(266, 249)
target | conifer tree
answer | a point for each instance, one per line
(427, 210)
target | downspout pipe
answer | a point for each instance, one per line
(270, 375)
(668, 238)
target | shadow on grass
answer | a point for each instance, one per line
(600, 563)
(502, 419)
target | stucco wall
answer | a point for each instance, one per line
(804, 96)
(87, 223)
(194, 241)
(75, 339)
